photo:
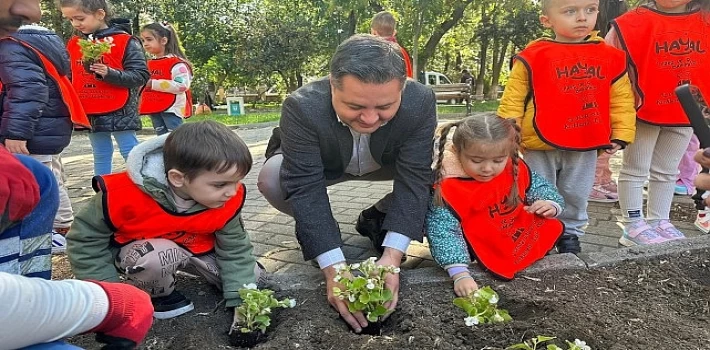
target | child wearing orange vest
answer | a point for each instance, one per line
(384, 25)
(109, 88)
(39, 108)
(667, 43)
(178, 204)
(573, 98)
(495, 207)
(166, 97)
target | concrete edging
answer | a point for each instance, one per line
(557, 262)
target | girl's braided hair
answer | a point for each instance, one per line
(486, 128)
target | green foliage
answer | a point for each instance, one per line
(92, 49)
(532, 344)
(481, 307)
(365, 290)
(254, 313)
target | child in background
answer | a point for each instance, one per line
(385, 25)
(687, 169)
(572, 97)
(508, 227)
(166, 97)
(666, 44)
(109, 92)
(38, 108)
(177, 204)
(605, 189)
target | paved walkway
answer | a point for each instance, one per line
(272, 233)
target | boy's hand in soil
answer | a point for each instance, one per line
(464, 284)
(391, 257)
(543, 208)
(357, 320)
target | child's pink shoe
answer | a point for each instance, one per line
(667, 230)
(639, 233)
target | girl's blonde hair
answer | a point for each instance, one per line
(485, 128)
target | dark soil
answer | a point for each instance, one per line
(657, 304)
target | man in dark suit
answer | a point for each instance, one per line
(366, 122)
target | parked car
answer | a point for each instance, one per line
(433, 78)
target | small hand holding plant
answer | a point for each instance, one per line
(253, 316)
(533, 343)
(482, 307)
(365, 290)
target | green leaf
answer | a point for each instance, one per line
(371, 317)
(542, 338)
(386, 295)
(364, 298)
(359, 282)
(522, 346)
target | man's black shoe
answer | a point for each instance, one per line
(369, 224)
(568, 244)
(172, 305)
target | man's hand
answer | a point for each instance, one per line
(357, 320)
(543, 208)
(17, 146)
(391, 257)
(464, 284)
(19, 192)
(614, 147)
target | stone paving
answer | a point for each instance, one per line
(272, 233)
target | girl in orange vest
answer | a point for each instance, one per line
(488, 205)
(108, 88)
(166, 97)
(668, 44)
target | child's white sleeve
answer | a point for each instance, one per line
(180, 82)
(36, 311)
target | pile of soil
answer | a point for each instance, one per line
(662, 303)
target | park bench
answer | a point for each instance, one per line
(456, 92)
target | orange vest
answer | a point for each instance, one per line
(666, 50)
(154, 102)
(505, 240)
(69, 95)
(571, 90)
(98, 97)
(134, 215)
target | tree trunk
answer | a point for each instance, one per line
(459, 8)
(498, 61)
(482, 55)
(352, 23)
(415, 44)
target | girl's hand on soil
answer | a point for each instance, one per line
(17, 146)
(464, 284)
(615, 147)
(100, 69)
(391, 257)
(543, 208)
(357, 320)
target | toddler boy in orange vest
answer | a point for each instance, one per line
(178, 204)
(572, 98)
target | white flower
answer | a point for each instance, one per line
(341, 297)
(493, 299)
(292, 303)
(471, 321)
(582, 344)
(372, 259)
(90, 37)
(497, 318)
(476, 294)
(265, 311)
(396, 270)
(351, 298)
(339, 267)
(250, 286)
(355, 265)
(370, 286)
(337, 278)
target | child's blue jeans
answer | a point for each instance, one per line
(164, 123)
(102, 146)
(26, 247)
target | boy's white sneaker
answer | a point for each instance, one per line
(702, 221)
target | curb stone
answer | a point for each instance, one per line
(555, 262)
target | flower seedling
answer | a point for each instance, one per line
(364, 288)
(253, 316)
(92, 49)
(533, 343)
(482, 307)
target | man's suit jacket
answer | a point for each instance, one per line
(316, 147)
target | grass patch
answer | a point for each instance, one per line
(221, 117)
(476, 106)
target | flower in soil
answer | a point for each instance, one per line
(254, 313)
(532, 344)
(92, 49)
(482, 307)
(364, 287)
